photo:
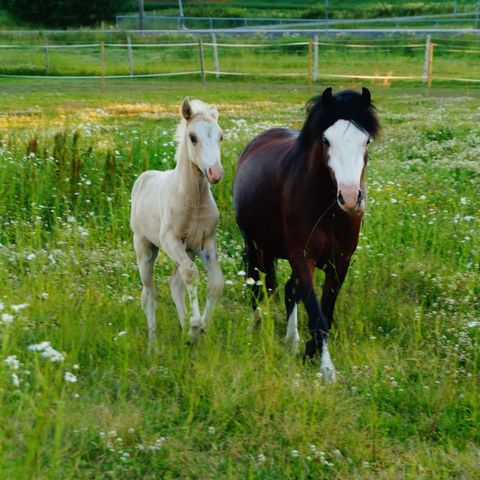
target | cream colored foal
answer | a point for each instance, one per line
(175, 211)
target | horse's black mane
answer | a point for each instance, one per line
(324, 110)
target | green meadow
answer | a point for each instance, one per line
(91, 404)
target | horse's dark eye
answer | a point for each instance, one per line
(368, 142)
(326, 142)
(221, 137)
(193, 138)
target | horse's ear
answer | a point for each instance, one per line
(366, 96)
(327, 97)
(186, 109)
(214, 112)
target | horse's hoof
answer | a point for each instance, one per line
(310, 350)
(256, 318)
(292, 343)
(329, 374)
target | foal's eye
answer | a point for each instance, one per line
(221, 137)
(368, 142)
(326, 142)
(193, 138)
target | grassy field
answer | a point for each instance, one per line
(237, 405)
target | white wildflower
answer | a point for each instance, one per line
(12, 362)
(122, 333)
(7, 318)
(250, 281)
(47, 351)
(228, 282)
(241, 273)
(15, 380)
(17, 308)
(70, 377)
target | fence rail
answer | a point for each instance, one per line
(181, 22)
(309, 58)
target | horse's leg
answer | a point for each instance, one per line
(209, 259)
(176, 250)
(303, 269)
(334, 278)
(178, 289)
(292, 297)
(146, 254)
(254, 262)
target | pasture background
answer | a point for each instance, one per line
(237, 405)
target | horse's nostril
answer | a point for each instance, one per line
(360, 197)
(341, 200)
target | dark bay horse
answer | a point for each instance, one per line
(300, 196)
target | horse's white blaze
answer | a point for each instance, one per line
(292, 337)
(346, 152)
(327, 369)
(175, 211)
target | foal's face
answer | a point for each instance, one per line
(346, 148)
(203, 144)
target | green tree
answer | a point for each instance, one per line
(66, 13)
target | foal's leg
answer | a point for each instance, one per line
(209, 259)
(178, 289)
(303, 269)
(146, 254)
(176, 250)
(292, 297)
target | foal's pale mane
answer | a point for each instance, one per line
(199, 108)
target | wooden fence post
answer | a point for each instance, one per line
(102, 62)
(426, 62)
(47, 56)
(130, 56)
(202, 66)
(309, 70)
(215, 56)
(430, 65)
(315, 57)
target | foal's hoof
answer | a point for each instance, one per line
(310, 350)
(195, 333)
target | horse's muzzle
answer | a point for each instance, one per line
(215, 173)
(351, 199)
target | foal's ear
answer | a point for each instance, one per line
(186, 109)
(366, 96)
(214, 112)
(327, 97)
